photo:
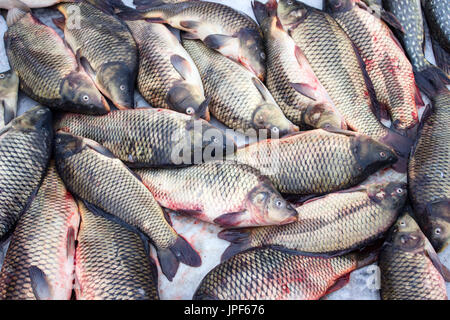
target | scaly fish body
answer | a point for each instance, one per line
(232, 33)
(45, 239)
(330, 225)
(317, 161)
(106, 49)
(337, 65)
(429, 181)
(387, 66)
(429, 78)
(225, 193)
(267, 274)
(9, 90)
(25, 148)
(167, 78)
(238, 98)
(407, 262)
(290, 78)
(149, 137)
(47, 69)
(112, 262)
(10, 4)
(92, 173)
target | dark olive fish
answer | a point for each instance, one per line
(91, 172)
(167, 78)
(356, 217)
(47, 69)
(112, 262)
(105, 48)
(290, 79)
(429, 78)
(267, 274)
(220, 27)
(10, 4)
(40, 262)
(386, 63)
(345, 78)
(410, 268)
(428, 173)
(151, 137)
(25, 149)
(9, 90)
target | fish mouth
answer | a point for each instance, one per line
(105, 104)
(206, 116)
(248, 66)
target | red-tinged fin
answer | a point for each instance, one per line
(304, 89)
(229, 219)
(60, 22)
(431, 253)
(182, 66)
(217, 41)
(39, 283)
(70, 243)
(339, 284)
(432, 80)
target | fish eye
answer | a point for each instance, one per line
(58, 140)
(262, 55)
(382, 154)
(399, 190)
(190, 110)
(122, 87)
(289, 2)
(402, 223)
(279, 203)
(275, 130)
(437, 231)
(2, 76)
(40, 111)
(86, 98)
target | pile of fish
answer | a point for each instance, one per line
(340, 170)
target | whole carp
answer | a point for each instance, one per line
(267, 274)
(290, 79)
(221, 192)
(112, 262)
(39, 264)
(330, 225)
(386, 63)
(9, 90)
(429, 78)
(47, 69)
(167, 78)
(238, 99)
(92, 173)
(105, 47)
(220, 27)
(429, 181)
(345, 78)
(25, 149)
(410, 268)
(317, 161)
(151, 137)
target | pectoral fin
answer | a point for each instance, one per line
(39, 282)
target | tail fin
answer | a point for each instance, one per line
(180, 251)
(240, 241)
(263, 11)
(432, 80)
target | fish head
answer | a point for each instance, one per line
(116, 80)
(66, 145)
(322, 115)
(406, 235)
(269, 117)
(9, 82)
(81, 95)
(252, 52)
(268, 207)
(37, 118)
(371, 155)
(437, 224)
(189, 99)
(390, 195)
(336, 6)
(291, 11)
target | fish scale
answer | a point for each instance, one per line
(41, 240)
(266, 274)
(112, 263)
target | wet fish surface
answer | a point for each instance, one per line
(9, 90)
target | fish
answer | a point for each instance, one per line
(11, 4)
(221, 192)
(151, 137)
(25, 149)
(429, 78)
(220, 27)
(322, 40)
(410, 268)
(9, 90)
(105, 47)
(112, 262)
(268, 274)
(167, 78)
(48, 70)
(429, 182)
(238, 98)
(40, 262)
(290, 78)
(92, 173)
(388, 67)
(317, 161)
(436, 14)
(356, 216)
